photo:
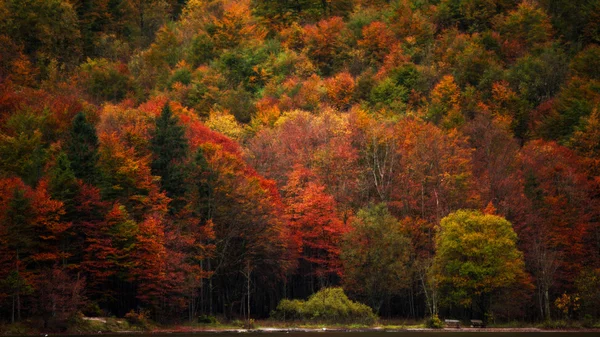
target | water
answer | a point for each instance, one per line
(359, 334)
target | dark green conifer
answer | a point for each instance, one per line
(170, 148)
(82, 149)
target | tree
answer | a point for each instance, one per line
(82, 149)
(375, 256)
(48, 29)
(170, 149)
(313, 219)
(63, 184)
(525, 28)
(476, 257)
(434, 175)
(327, 44)
(554, 232)
(18, 243)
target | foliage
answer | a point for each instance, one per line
(216, 156)
(375, 255)
(327, 305)
(476, 256)
(435, 323)
(169, 146)
(82, 149)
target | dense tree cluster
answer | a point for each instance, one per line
(197, 157)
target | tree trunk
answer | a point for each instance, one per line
(547, 304)
(12, 320)
(248, 286)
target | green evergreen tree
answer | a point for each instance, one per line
(63, 186)
(17, 222)
(170, 149)
(82, 149)
(200, 190)
(18, 235)
(63, 183)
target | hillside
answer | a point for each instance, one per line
(172, 158)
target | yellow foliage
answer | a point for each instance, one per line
(225, 123)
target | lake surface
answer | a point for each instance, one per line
(359, 334)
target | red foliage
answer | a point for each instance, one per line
(377, 39)
(314, 223)
(558, 218)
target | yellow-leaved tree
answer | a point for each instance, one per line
(476, 257)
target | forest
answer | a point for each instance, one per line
(183, 158)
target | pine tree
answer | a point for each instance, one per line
(170, 148)
(63, 184)
(82, 149)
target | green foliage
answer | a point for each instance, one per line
(528, 24)
(18, 223)
(201, 50)
(575, 101)
(434, 323)
(409, 77)
(378, 269)
(388, 94)
(472, 15)
(82, 149)
(47, 29)
(139, 319)
(207, 319)
(586, 64)
(328, 305)
(182, 75)
(241, 67)
(15, 284)
(285, 12)
(23, 154)
(104, 81)
(239, 103)
(200, 187)
(63, 184)
(575, 21)
(475, 65)
(17, 329)
(476, 256)
(170, 149)
(538, 78)
(588, 288)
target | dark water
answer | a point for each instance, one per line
(359, 334)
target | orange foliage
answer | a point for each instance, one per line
(376, 41)
(340, 90)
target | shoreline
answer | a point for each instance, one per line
(362, 330)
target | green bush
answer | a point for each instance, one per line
(327, 305)
(137, 318)
(434, 323)
(207, 319)
(559, 325)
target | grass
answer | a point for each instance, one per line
(17, 329)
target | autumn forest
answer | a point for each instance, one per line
(176, 159)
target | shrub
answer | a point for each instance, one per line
(327, 305)
(137, 318)
(207, 319)
(434, 323)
